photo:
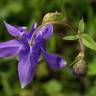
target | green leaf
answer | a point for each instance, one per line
(72, 37)
(92, 67)
(88, 41)
(53, 87)
(92, 91)
(81, 25)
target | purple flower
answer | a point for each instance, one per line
(28, 54)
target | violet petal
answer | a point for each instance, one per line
(27, 65)
(54, 60)
(10, 48)
(46, 31)
(14, 31)
(29, 34)
(22, 29)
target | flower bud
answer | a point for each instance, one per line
(50, 17)
(79, 68)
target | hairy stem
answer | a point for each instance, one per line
(65, 23)
(80, 42)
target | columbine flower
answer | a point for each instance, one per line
(28, 54)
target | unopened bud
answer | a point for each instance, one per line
(50, 17)
(79, 68)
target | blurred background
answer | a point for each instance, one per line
(47, 81)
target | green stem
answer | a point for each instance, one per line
(65, 23)
(81, 43)
(6, 87)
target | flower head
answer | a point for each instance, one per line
(28, 55)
